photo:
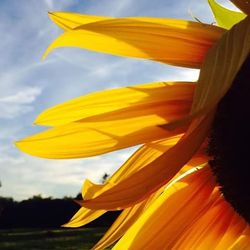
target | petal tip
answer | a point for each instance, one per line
(37, 121)
(44, 56)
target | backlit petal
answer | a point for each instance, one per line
(83, 139)
(124, 127)
(172, 41)
(83, 217)
(89, 189)
(120, 103)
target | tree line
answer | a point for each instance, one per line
(38, 212)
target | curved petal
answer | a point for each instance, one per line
(122, 102)
(176, 42)
(163, 222)
(83, 217)
(140, 185)
(224, 17)
(89, 189)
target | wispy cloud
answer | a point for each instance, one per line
(19, 103)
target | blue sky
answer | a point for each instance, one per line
(29, 85)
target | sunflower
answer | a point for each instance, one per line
(187, 186)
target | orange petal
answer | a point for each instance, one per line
(243, 241)
(164, 221)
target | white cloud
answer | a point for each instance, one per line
(23, 176)
(19, 103)
(23, 97)
(178, 74)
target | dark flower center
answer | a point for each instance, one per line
(229, 143)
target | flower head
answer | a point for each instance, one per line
(169, 196)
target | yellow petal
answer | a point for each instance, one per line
(176, 42)
(221, 66)
(83, 217)
(244, 5)
(140, 185)
(163, 222)
(125, 127)
(77, 140)
(120, 103)
(69, 21)
(89, 189)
